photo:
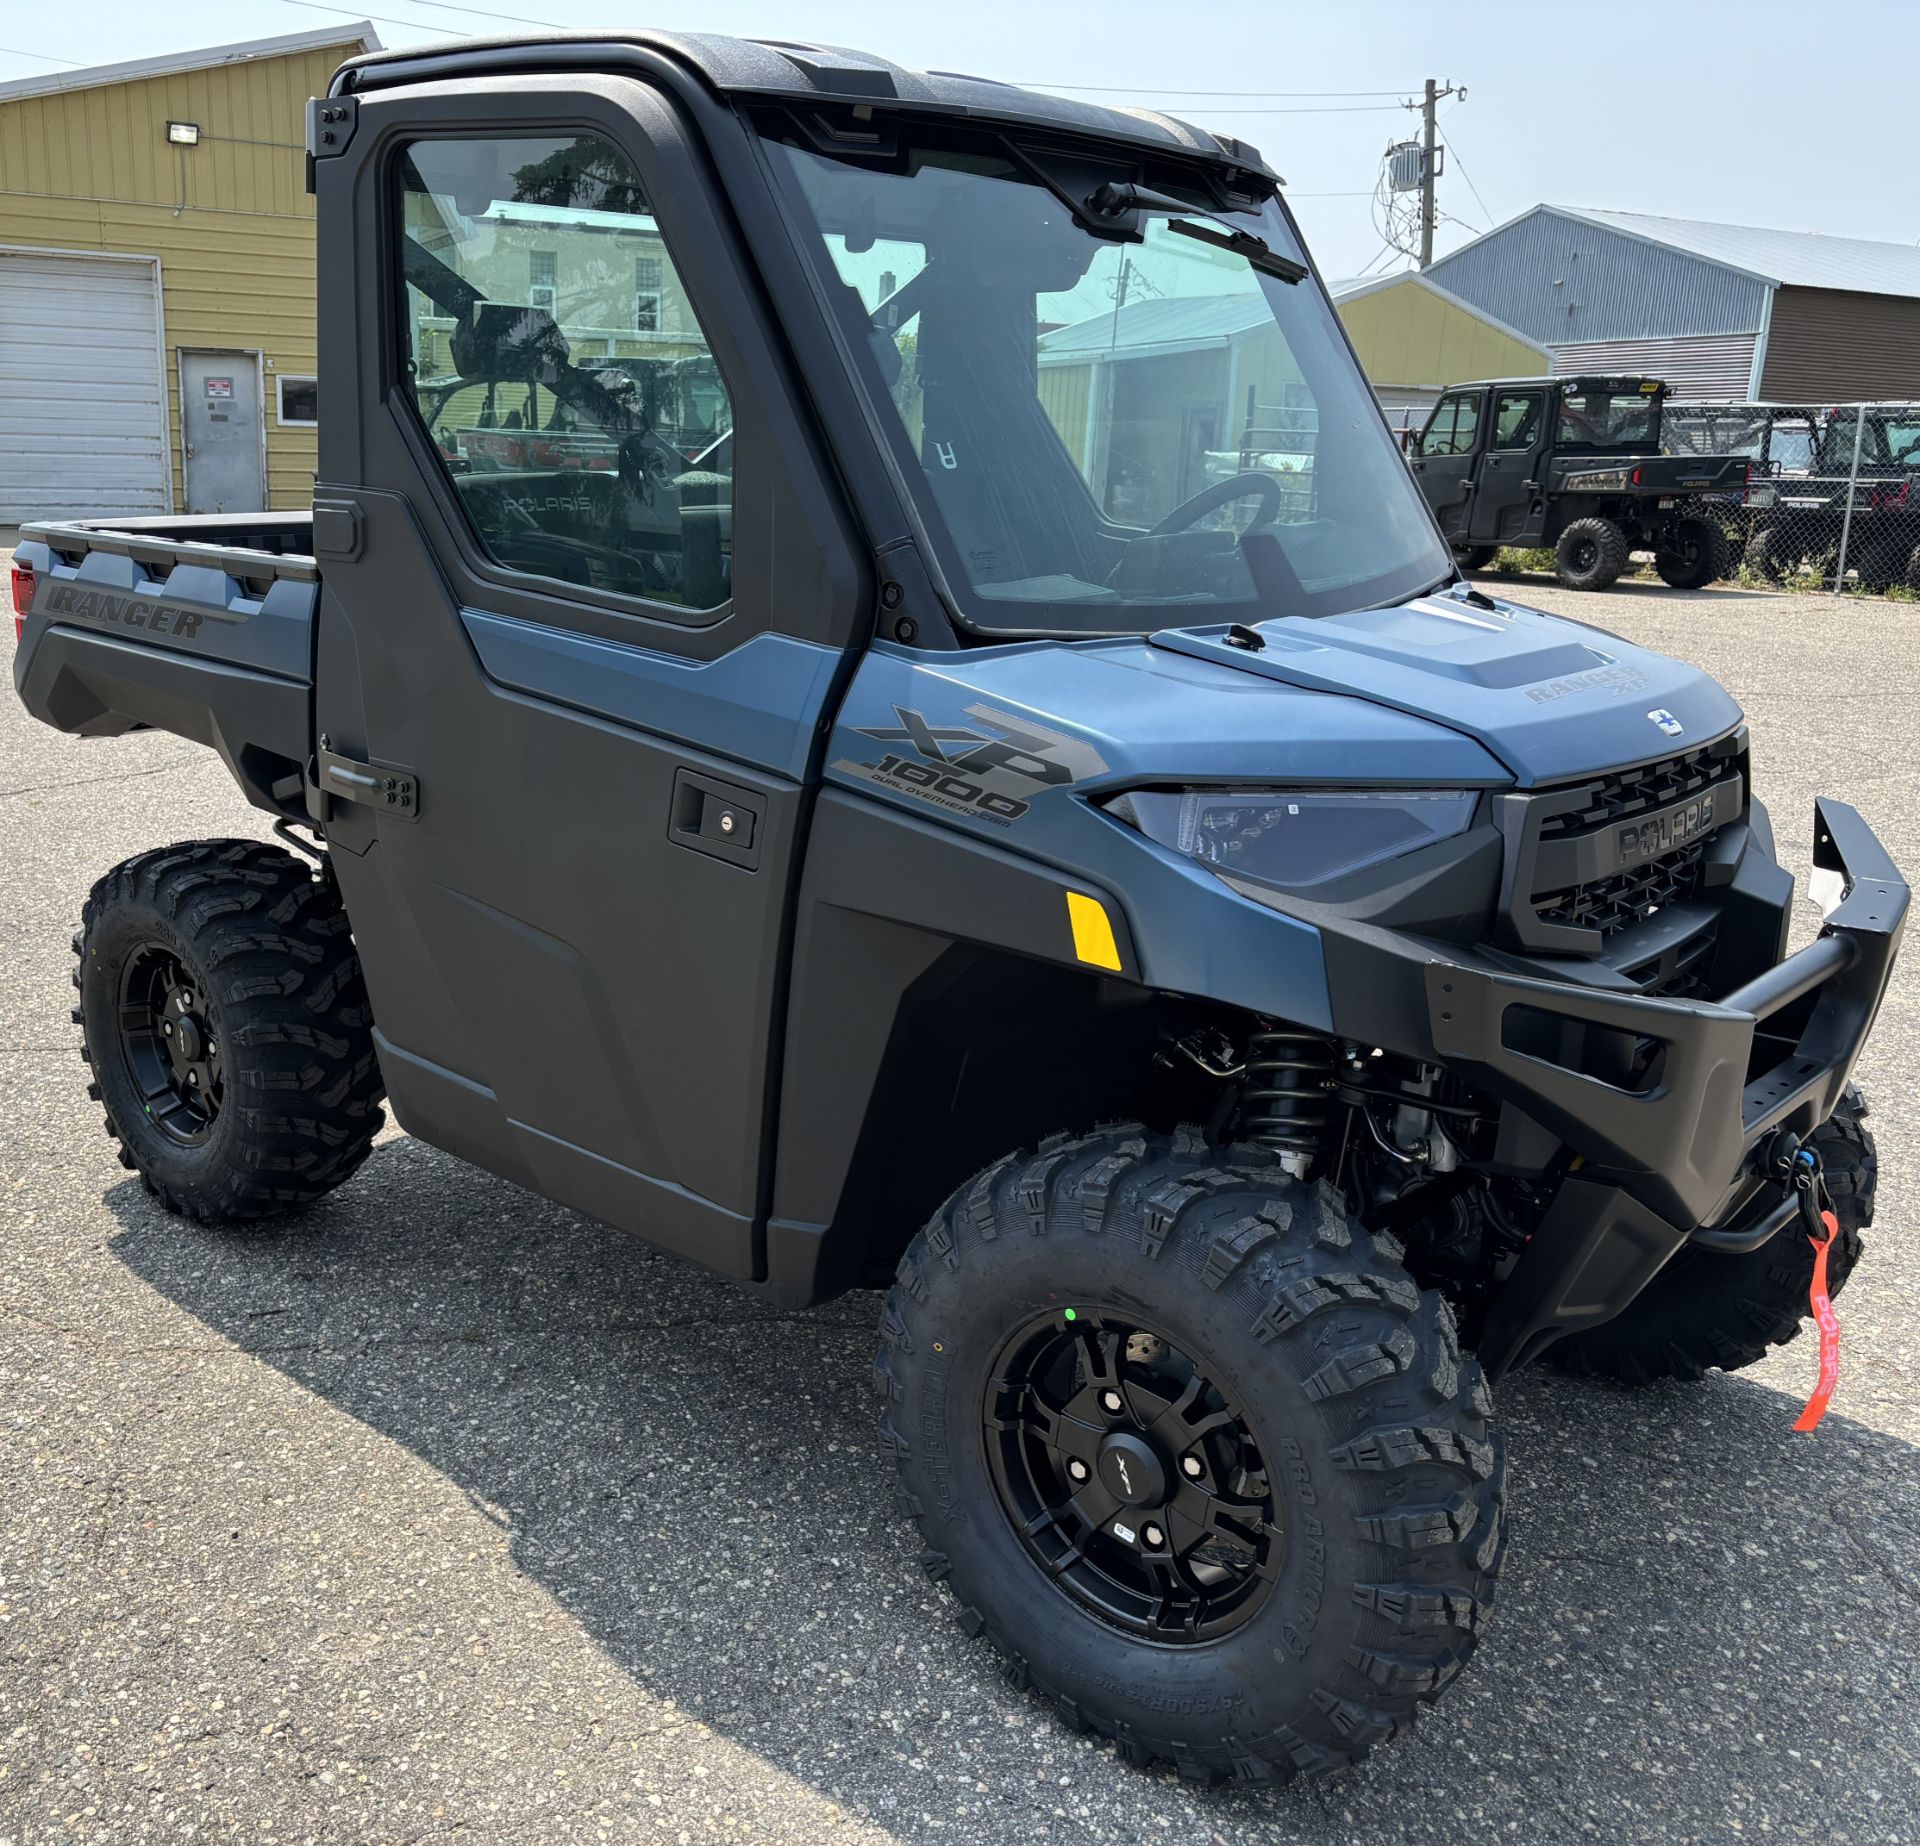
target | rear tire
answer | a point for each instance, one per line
(1357, 1587)
(1590, 554)
(1767, 555)
(1692, 553)
(1705, 1310)
(227, 1027)
(1913, 568)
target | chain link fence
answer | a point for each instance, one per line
(1833, 499)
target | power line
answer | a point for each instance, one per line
(480, 12)
(379, 19)
(1130, 89)
(1334, 109)
(41, 57)
(1468, 177)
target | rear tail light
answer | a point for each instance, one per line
(22, 599)
(1635, 478)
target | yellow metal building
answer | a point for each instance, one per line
(1414, 339)
(157, 282)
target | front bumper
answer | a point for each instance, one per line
(1682, 1148)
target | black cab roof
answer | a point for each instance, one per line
(797, 71)
(1634, 381)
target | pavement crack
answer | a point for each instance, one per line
(124, 775)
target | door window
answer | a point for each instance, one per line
(1516, 419)
(1456, 421)
(562, 377)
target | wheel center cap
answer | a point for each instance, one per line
(1131, 1471)
(188, 1043)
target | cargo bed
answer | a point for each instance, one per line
(201, 625)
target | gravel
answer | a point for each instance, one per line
(443, 1513)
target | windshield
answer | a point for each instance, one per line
(1592, 421)
(1099, 432)
(1885, 442)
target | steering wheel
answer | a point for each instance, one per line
(1224, 493)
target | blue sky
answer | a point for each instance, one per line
(1747, 111)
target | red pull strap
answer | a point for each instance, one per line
(1829, 1325)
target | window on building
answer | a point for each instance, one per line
(580, 448)
(647, 299)
(543, 271)
(299, 400)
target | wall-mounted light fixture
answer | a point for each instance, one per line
(184, 134)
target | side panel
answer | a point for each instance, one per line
(115, 643)
(579, 999)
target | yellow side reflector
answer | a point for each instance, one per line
(1092, 933)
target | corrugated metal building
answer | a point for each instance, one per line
(1721, 311)
(157, 281)
(1414, 339)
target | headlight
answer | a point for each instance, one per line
(1293, 839)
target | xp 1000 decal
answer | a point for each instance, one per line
(987, 770)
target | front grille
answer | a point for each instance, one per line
(1565, 830)
(1628, 792)
(1613, 904)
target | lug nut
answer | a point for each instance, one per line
(1192, 1467)
(1154, 1537)
(1112, 1402)
(1077, 1470)
(193, 1079)
(166, 1027)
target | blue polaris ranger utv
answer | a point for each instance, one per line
(866, 694)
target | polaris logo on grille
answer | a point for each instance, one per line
(1667, 721)
(1661, 834)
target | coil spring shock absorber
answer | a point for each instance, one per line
(1283, 1105)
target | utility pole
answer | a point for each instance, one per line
(1430, 161)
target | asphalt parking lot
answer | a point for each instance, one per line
(440, 1513)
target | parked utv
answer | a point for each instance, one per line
(1574, 465)
(1871, 461)
(1246, 987)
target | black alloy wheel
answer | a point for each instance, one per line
(1132, 1479)
(171, 1050)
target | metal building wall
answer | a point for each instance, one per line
(1830, 345)
(229, 220)
(1715, 369)
(1564, 281)
(1407, 336)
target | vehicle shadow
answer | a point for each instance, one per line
(1692, 1593)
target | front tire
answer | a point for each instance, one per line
(1316, 1516)
(227, 1028)
(1475, 557)
(1590, 554)
(1705, 1309)
(1692, 554)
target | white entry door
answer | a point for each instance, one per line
(220, 430)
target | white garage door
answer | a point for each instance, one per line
(83, 418)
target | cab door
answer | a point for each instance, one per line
(1509, 476)
(1443, 460)
(585, 605)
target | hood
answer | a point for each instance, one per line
(1552, 699)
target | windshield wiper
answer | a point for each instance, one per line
(1116, 200)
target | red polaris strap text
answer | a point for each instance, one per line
(1829, 1328)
